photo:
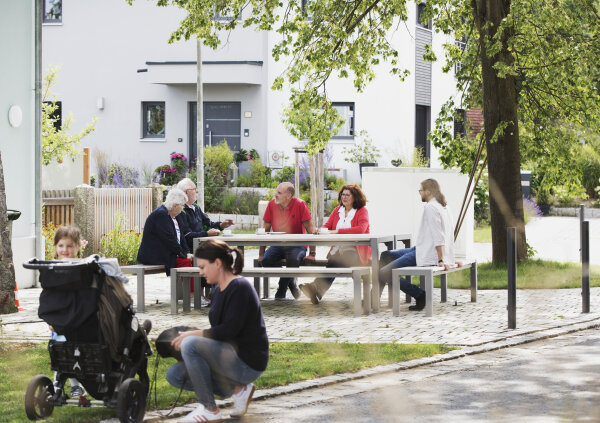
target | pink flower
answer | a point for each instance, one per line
(83, 243)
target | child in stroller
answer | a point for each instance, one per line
(105, 346)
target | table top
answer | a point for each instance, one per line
(306, 239)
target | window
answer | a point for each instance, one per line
(52, 11)
(153, 119)
(460, 127)
(420, 13)
(56, 115)
(346, 111)
(422, 126)
(305, 4)
(218, 17)
(461, 44)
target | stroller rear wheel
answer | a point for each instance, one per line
(37, 398)
(131, 403)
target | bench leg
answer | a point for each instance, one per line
(174, 291)
(366, 283)
(198, 294)
(257, 286)
(390, 294)
(407, 298)
(357, 281)
(474, 282)
(265, 287)
(395, 293)
(429, 294)
(140, 291)
(185, 283)
(444, 286)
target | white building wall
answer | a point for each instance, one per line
(17, 143)
(102, 45)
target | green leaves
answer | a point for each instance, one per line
(58, 143)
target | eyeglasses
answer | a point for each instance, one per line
(346, 195)
(421, 190)
(191, 189)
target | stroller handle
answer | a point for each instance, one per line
(36, 264)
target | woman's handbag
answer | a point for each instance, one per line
(163, 342)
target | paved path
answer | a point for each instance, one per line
(554, 238)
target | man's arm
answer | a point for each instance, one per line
(440, 253)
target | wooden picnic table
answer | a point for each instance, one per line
(320, 240)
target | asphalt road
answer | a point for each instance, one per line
(555, 380)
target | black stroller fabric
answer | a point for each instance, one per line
(113, 300)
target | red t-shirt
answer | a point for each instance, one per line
(288, 220)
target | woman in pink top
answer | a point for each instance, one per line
(350, 217)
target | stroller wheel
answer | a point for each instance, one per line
(37, 398)
(131, 403)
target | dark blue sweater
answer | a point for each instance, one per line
(159, 240)
(236, 317)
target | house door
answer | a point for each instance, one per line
(222, 122)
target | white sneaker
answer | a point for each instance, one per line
(242, 399)
(201, 414)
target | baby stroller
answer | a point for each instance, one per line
(105, 346)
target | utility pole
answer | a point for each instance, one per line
(199, 128)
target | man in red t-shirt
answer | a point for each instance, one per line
(286, 213)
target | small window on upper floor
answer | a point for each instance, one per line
(55, 113)
(218, 17)
(52, 11)
(305, 4)
(153, 119)
(346, 111)
(420, 13)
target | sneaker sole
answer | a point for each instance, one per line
(247, 403)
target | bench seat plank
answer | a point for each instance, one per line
(140, 270)
(426, 275)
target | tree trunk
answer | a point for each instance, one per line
(500, 105)
(7, 269)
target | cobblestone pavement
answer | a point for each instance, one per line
(458, 321)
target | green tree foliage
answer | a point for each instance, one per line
(58, 143)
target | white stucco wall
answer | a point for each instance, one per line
(102, 45)
(395, 206)
(17, 76)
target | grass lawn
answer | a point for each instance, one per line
(289, 362)
(533, 274)
(482, 233)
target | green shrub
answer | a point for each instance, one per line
(121, 243)
(218, 158)
(244, 181)
(481, 204)
(337, 185)
(588, 162)
(333, 205)
(260, 175)
(305, 196)
(286, 174)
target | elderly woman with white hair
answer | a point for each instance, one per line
(163, 241)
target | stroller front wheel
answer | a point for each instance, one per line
(131, 403)
(37, 398)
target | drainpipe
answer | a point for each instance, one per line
(39, 244)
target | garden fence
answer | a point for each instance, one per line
(58, 207)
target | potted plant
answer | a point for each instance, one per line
(241, 158)
(362, 152)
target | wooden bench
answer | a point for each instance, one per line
(319, 262)
(141, 270)
(180, 287)
(356, 273)
(426, 275)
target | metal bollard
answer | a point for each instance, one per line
(585, 266)
(511, 264)
(581, 220)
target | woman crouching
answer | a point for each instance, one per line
(225, 359)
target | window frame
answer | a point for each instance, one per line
(44, 13)
(352, 128)
(145, 107)
(460, 128)
(420, 9)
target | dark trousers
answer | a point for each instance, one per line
(293, 257)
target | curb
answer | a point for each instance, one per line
(505, 342)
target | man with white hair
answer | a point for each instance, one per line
(196, 223)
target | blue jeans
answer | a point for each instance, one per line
(209, 367)
(293, 257)
(394, 259)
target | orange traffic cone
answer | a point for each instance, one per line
(17, 298)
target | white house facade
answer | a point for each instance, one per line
(116, 64)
